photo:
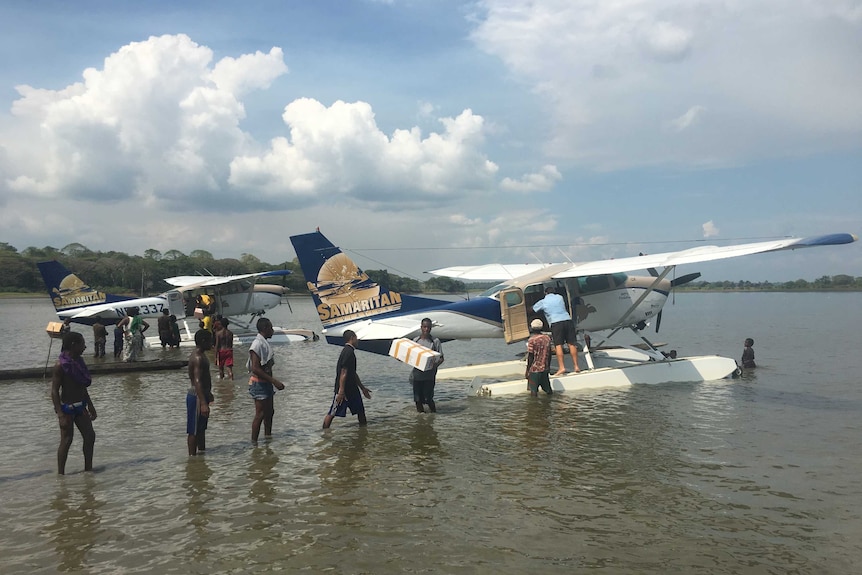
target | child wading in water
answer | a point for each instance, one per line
(200, 395)
(748, 353)
(72, 402)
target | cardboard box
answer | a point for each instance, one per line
(413, 354)
(55, 329)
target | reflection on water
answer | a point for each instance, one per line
(200, 493)
(262, 475)
(756, 475)
(74, 529)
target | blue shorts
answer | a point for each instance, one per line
(354, 402)
(260, 389)
(74, 409)
(195, 422)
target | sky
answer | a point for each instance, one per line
(419, 134)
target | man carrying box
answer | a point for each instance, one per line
(424, 381)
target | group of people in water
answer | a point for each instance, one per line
(74, 407)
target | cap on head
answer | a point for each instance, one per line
(536, 324)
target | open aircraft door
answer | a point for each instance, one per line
(175, 304)
(513, 310)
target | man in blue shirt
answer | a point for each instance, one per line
(562, 327)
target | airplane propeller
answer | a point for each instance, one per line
(673, 283)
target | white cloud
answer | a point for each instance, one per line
(160, 123)
(542, 181)
(778, 77)
(248, 72)
(667, 41)
(684, 122)
(426, 109)
(710, 230)
(340, 151)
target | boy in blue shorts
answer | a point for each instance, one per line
(199, 396)
(348, 388)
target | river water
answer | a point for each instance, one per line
(761, 474)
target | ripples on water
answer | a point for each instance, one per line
(758, 475)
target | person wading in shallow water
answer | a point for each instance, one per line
(261, 384)
(348, 389)
(200, 395)
(72, 402)
(424, 381)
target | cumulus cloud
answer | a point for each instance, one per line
(710, 230)
(542, 181)
(152, 122)
(341, 151)
(161, 123)
(778, 78)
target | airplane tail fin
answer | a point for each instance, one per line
(68, 291)
(342, 292)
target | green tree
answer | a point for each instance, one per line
(250, 262)
(446, 285)
(201, 255)
(74, 250)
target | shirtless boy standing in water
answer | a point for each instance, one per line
(72, 402)
(199, 396)
(224, 348)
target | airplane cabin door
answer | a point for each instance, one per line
(175, 304)
(513, 310)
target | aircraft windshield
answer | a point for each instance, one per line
(493, 291)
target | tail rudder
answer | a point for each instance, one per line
(342, 292)
(66, 289)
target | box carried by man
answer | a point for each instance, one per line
(413, 354)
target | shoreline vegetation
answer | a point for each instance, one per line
(473, 291)
(141, 276)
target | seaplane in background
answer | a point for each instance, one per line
(603, 295)
(233, 296)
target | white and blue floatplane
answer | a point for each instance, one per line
(600, 294)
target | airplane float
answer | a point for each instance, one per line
(603, 295)
(233, 296)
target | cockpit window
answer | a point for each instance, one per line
(592, 284)
(513, 298)
(491, 292)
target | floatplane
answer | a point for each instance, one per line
(233, 296)
(604, 297)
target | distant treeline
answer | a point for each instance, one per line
(117, 272)
(839, 282)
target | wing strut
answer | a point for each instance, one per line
(646, 292)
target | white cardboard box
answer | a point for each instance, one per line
(413, 354)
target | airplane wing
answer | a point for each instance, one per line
(693, 255)
(205, 281)
(489, 272)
